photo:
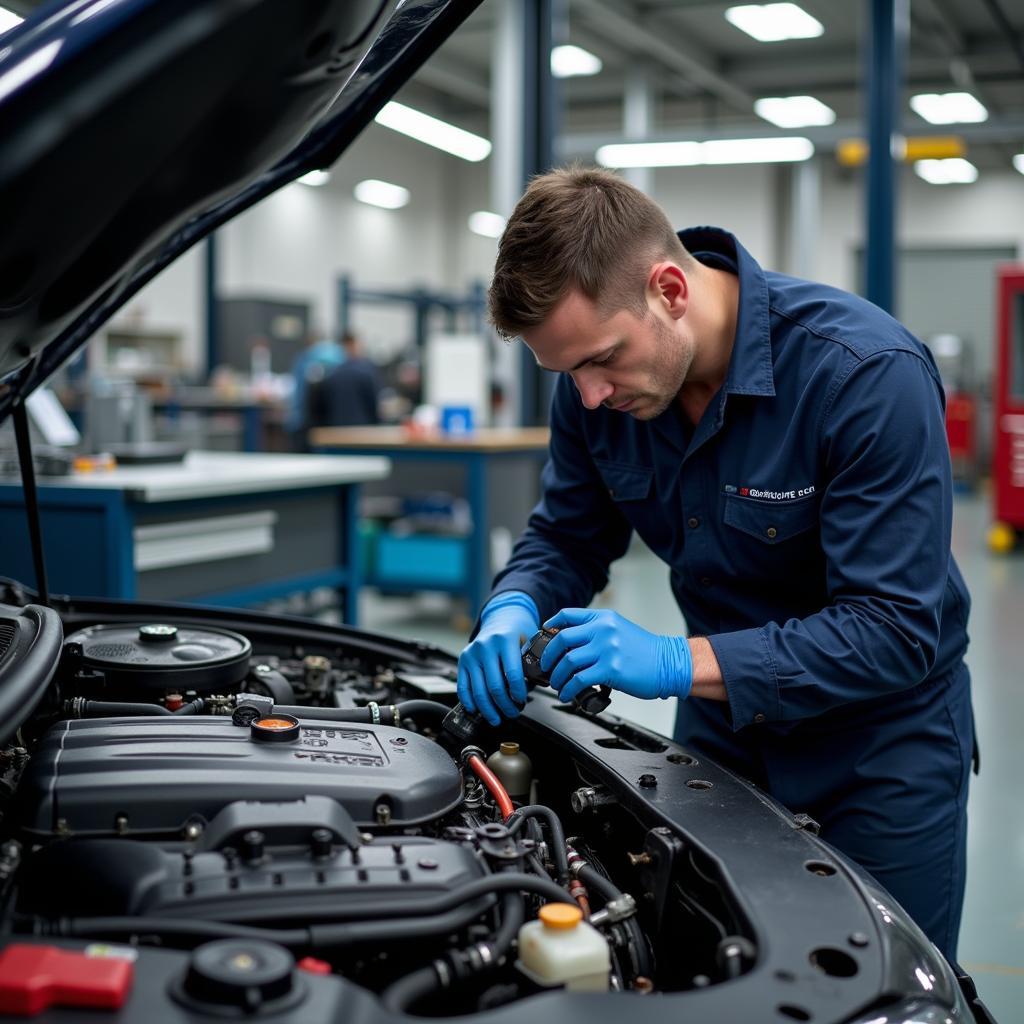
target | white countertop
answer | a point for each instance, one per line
(213, 474)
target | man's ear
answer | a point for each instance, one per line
(668, 286)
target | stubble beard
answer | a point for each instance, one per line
(671, 365)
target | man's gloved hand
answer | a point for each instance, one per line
(491, 666)
(595, 647)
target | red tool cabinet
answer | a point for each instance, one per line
(1008, 404)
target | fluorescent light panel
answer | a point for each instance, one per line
(772, 23)
(953, 171)
(381, 193)
(315, 178)
(948, 108)
(715, 151)
(433, 132)
(794, 111)
(8, 19)
(485, 223)
(1018, 162)
(573, 61)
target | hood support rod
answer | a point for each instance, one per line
(28, 483)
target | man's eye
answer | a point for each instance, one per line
(604, 362)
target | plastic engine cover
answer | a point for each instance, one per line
(153, 775)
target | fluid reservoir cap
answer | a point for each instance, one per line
(508, 748)
(560, 916)
(248, 976)
(275, 729)
(157, 632)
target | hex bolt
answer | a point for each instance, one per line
(322, 842)
(427, 864)
(648, 781)
(252, 845)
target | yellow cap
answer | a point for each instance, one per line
(508, 749)
(560, 916)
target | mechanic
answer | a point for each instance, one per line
(780, 445)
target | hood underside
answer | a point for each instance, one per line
(133, 128)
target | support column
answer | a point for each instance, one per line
(210, 295)
(638, 121)
(886, 47)
(524, 117)
(805, 228)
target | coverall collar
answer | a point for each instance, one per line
(750, 366)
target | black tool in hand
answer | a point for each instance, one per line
(465, 728)
(592, 701)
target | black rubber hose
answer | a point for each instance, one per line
(406, 709)
(325, 935)
(558, 853)
(404, 993)
(193, 707)
(594, 880)
(114, 709)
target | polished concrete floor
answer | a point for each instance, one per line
(992, 935)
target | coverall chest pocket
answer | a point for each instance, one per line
(632, 491)
(624, 481)
(771, 522)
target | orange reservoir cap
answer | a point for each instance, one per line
(560, 916)
(275, 729)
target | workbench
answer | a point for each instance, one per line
(221, 528)
(500, 478)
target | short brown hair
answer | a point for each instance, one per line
(577, 228)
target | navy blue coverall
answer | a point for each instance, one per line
(806, 523)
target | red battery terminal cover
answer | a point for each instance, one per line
(33, 978)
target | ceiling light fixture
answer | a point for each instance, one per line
(574, 61)
(1018, 162)
(772, 23)
(948, 108)
(954, 171)
(715, 151)
(433, 132)
(794, 111)
(381, 193)
(485, 223)
(8, 19)
(314, 178)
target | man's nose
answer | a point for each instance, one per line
(593, 391)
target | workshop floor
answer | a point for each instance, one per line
(992, 935)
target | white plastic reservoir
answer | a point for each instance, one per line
(560, 948)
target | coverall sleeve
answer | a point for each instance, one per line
(575, 531)
(886, 519)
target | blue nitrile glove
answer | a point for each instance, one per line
(595, 647)
(495, 655)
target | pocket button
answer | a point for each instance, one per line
(771, 532)
(693, 522)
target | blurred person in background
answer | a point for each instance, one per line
(347, 395)
(321, 354)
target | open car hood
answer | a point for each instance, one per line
(134, 128)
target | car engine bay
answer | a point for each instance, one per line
(268, 804)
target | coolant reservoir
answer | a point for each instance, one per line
(562, 949)
(513, 769)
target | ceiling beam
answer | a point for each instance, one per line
(461, 83)
(626, 30)
(995, 130)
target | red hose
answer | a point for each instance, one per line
(493, 784)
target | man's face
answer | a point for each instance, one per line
(624, 362)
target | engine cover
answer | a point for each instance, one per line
(389, 876)
(153, 776)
